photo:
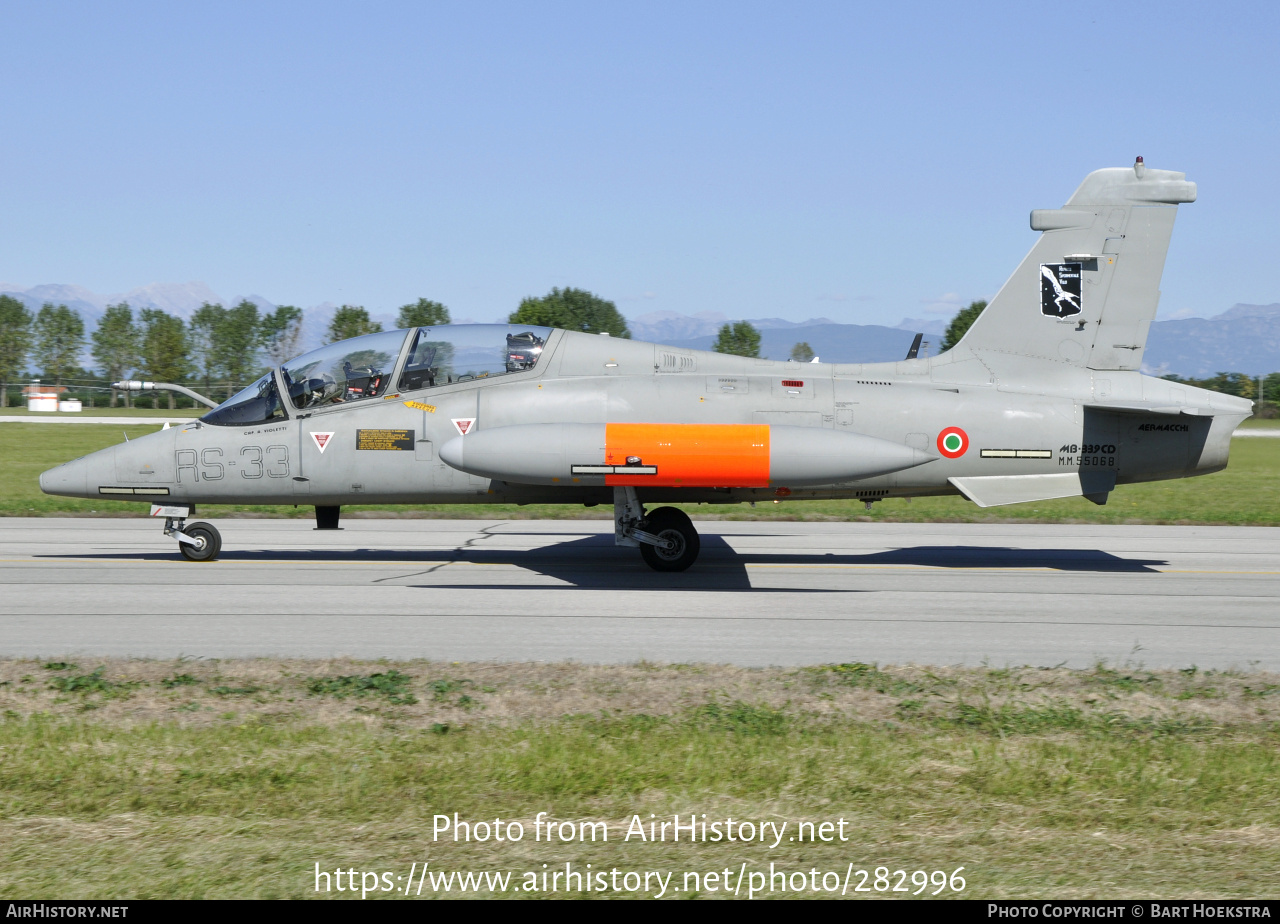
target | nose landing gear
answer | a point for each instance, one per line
(666, 537)
(198, 541)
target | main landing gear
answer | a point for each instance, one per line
(197, 541)
(666, 537)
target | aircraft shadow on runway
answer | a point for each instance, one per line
(589, 562)
(595, 563)
(975, 556)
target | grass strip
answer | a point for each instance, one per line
(1113, 781)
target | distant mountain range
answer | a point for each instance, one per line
(1245, 338)
(670, 327)
(176, 298)
(181, 299)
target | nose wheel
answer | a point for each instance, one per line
(197, 541)
(205, 545)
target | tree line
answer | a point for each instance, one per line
(223, 349)
(1261, 388)
(220, 348)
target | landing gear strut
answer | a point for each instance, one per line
(666, 537)
(327, 517)
(197, 541)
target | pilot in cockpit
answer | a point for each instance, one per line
(314, 390)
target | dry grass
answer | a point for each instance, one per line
(199, 692)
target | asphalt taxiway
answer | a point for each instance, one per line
(762, 593)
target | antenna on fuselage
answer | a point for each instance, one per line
(915, 347)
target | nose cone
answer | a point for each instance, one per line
(71, 479)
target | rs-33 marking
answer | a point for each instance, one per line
(208, 464)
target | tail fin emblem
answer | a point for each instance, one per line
(1059, 289)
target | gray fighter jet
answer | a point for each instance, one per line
(1043, 398)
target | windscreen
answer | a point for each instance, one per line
(258, 403)
(465, 352)
(349, 370)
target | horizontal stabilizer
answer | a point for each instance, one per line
(1150, 407)
(998, 490)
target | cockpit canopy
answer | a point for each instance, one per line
(362, 368)
(349, 370)
(463, 352)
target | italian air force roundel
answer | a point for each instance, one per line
(953, 442)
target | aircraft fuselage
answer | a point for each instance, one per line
(388, 449)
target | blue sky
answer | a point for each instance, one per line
(863, 162)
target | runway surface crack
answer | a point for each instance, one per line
(454, 559)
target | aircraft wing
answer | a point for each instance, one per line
(998, 490)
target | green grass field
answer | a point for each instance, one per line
(232, 779)
(1247, 493)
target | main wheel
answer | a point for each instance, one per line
(209, 539)
(676, 527)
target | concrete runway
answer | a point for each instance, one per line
(779, 593)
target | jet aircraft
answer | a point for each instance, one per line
(1042, 398)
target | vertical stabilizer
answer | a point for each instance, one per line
(1087, 292)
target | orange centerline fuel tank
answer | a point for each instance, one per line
(681, 455)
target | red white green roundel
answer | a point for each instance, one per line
(953, 442)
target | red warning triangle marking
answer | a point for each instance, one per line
(464, 424)
(321, 439)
